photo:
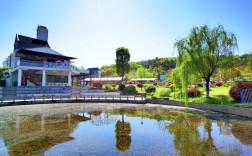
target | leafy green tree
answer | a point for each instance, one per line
(134, 66)
(142, 73)
(228, 67)
(226, 74)
(248, 63)
(205, 46)
(230, 61)
(122, 61)
(168, 63)
(3, 73)
(106, 72)
(157, 67)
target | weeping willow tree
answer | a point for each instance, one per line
(202, 50)
(183, 74)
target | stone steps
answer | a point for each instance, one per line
(9, 93)
(76, 92)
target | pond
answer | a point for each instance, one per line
(120, 129)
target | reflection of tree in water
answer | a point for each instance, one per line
(242, 131)
(32, 135)
(123, 130)
(187, 139)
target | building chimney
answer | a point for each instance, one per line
(42, 33)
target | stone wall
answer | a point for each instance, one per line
(245, 112)
(46, 101)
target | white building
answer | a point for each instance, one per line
(34, 63)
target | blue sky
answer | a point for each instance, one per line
(91, 30)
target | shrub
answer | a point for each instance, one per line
(139, 85)
(155, 83)
(165, 92)
(131, 89)
(200, 84)
(97, 84)
(121, 87)
(145, 86)
(108, 87)
(193, 92)
(218, 84)
(150, 88)
(178, 95)
(114, 86)
(234, 92)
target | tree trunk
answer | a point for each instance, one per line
(122, 77)
(122, 80)
(207, 87)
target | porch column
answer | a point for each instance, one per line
(19, 77)
(9, 81)
(44, 78)
(69, 78)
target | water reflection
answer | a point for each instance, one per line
(187, 139)
(122, 130)
(242, 131)
(30, 135)
(115, 131)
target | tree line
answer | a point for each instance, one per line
(230, 68)
(143, 69)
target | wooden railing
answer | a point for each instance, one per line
(83, 98)
(246, 96)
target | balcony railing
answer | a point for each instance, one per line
(57, 64)
(30, 63)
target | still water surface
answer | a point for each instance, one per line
(117, 129)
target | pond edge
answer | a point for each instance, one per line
(244, 112)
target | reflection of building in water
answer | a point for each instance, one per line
(98, 118)
(31, 135)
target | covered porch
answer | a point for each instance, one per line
(37, 76)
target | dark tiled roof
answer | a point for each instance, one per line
(22, 42)
(35, 46)
(44, 51)
(95, 68)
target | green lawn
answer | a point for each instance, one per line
(218, 95)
